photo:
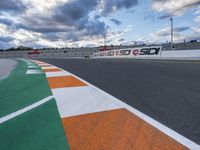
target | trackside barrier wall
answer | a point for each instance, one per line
(142, 52)
(181, 54)
(147, 52)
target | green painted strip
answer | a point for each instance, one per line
(20, 90)
(38, 129)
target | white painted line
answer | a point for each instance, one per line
(33, 66)
(27, 62)
(30, 64)
(52, 67)
(58, 73)
(36, 61)
(43, 65)
(73, 101)
(34, 72)
(171, 133)
(21, 111)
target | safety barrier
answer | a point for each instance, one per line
(181, 54)
(130, 52)
(148, 52)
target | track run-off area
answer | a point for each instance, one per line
(61, 104)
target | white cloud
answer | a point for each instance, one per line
(114, 36)
(174, 7)
(197, 19)
(3, 29)
(197, 13)
(41, 7)
(164, 35)
(59, 22)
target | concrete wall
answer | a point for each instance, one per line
(181, 53)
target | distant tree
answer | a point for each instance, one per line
(10, 49)
(193, 41)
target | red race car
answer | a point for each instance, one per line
(33, 52)
(105, 48)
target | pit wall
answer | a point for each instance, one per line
(154, 52)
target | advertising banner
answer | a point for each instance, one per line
(131, 52)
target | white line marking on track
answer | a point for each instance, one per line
(21, 111)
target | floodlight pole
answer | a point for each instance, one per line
(105, 39)
(171, 19)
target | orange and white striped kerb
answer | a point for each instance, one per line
(95, 120)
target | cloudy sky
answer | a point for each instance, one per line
(75, 23)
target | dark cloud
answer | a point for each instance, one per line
(13, 6)
(68, 21)
(76, 14)
(149, 16)
(70, 36)
(163, 34)
(167, 15)
(73, 12)
(42, 24)
(193, 37)
(6, 42)
(6, 39)
(97, 17)
(181, 29)
(168, 32)
(73, 15)
(6, 21)
(111, 6)
(42, 28)
(121, 40)
(115, 21)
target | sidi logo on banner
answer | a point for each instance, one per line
(150, 51)
(146, 51)
(143, 51)
(135, 52)
(123, 52)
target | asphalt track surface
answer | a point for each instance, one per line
(168, 91)
(6, 66)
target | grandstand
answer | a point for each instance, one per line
(86, 52)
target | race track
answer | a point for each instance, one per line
(168, 91)
(6, 66)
